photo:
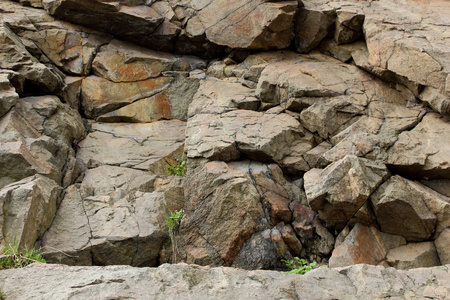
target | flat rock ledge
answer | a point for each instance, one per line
(184, 281)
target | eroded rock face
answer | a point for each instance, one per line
(287, 154)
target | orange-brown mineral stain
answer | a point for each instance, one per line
(163, 106)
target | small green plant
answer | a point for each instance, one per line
(15, 257)
(2, 296)
(299, 265)
(173, 221)
(179, 170)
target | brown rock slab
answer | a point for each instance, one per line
(364, 245)
(100, 96)
(222, 211)
(413, 255)
(229, 135)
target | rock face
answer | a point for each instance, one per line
(314, 129)
(175, 281)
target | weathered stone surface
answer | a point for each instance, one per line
(36, 137)
(422, 152)
(371, 136)
(262, 251)
(228, 206)
(138, 146)
(341, 189)
(8, 95)
(29, 75)
(238, 214)
(349, 26)
(402, 209)
(28, 208)
(260, 136)
(175, 281)
(100, 96)
(125, 62)
(316, 240)
(219, 96)
(119, 216)
(364, 245)
(442, 244)
(172, 103)
(129, 22)
(251, 24)
(413, 255)
(311, 27)
(401, 35)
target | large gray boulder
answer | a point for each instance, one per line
(175, 281)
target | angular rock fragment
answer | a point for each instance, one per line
(409, 209)
(413, 255)
(8, 95)
(349, 26)
(422, 152)
(311, 27)
(364, 245)
(228, 136)
(223, 210)
(30, 75)
(442, 244)
(36, 137)
(342, 188)
(28, 208)
(253, 24)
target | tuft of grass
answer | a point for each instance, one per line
(15, 257)
(300, 265)
(173, 221)
(2, 296)
(179, 170)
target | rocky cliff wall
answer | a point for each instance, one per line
(315, 129)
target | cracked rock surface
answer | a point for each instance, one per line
(170, 281)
